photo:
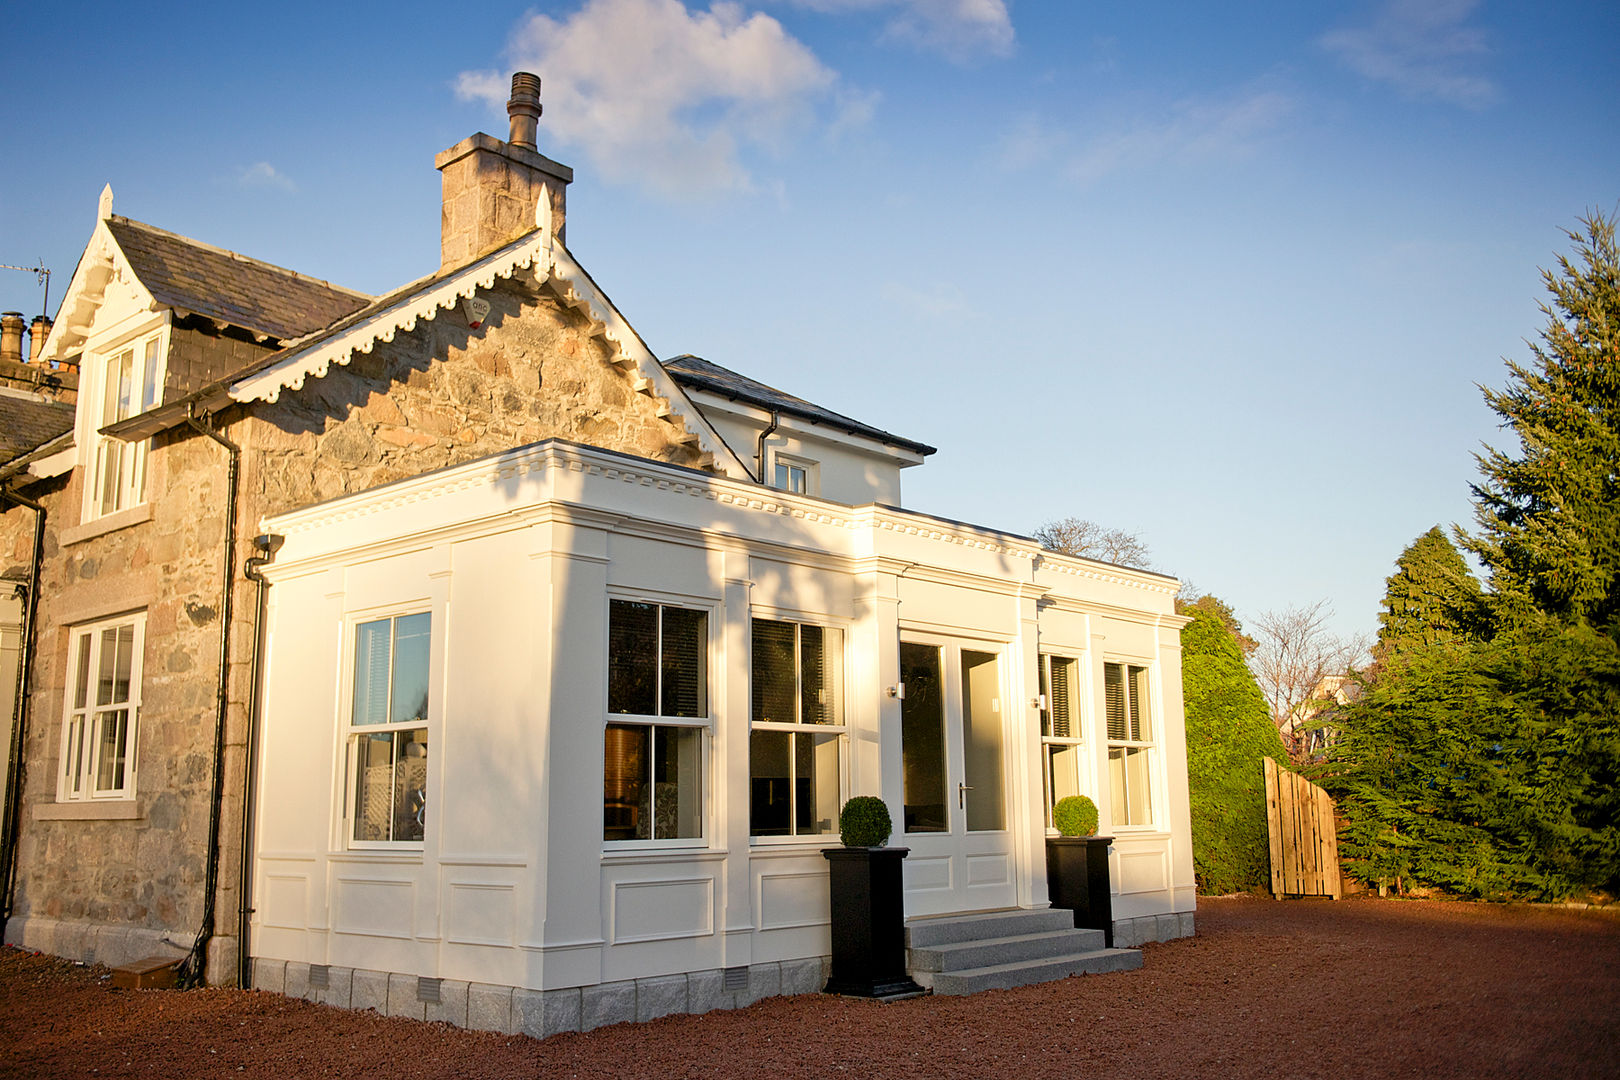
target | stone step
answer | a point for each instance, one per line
(1029, 972)
(947, 930)
(961, 955)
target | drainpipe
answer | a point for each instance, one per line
(11, 818)
(193, 969)
(267, 544)
(775, 417)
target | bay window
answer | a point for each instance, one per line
(658, 704)
(797, 713)
(388, 736)
(102, 710)
(1130, 743)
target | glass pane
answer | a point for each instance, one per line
(1137, 786)
(374, 786)
(371, 673)
(1059, 698)
(410, 683)
(625, 794)
(73, 755)
(1062, 774)
(773, 684)
(815, 784)
(410, 784)
(111, 728)
(770, 781)
(685, 650)
(125, 662)
(922, 738)
(782, 479)
(110, 460)
(1139, 697)
(107, 665)
(149, 384)
(81, 681)
(821, 666)
(1114, 700)
(126, 372)
(632, 658)
(137, 471)
(1116, 785)
(981, 741)
(677, 783)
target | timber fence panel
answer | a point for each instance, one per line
(1304, 841)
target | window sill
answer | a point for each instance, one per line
(123, 519)
(110, 810)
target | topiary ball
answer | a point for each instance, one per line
(1075, 815)
(865, 822)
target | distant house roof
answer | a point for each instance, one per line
(696, 373)
(230, 288)
(27, 421)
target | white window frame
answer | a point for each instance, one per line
(83, 723)
(703, 725)
(1076, 725)
(1145, 742)
(352, 733)
(807, 470)
(108, 402)
(839, 731)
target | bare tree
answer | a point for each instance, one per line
(1299, 663)
(1076, 536)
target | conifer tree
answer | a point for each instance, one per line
(1431, 597)
(1229, 731)
(1550, 515)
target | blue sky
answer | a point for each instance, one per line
(1228, 278)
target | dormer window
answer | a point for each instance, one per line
(129, 382)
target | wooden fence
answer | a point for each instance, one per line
(1304, 842)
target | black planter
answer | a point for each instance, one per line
(868, 923)
(1077, 877)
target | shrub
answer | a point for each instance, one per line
(865, 822)
(1075, 815)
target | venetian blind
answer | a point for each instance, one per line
(1057, 702)
(632, 658)
(773, 682)
(684, 654)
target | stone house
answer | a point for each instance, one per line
(357, 614)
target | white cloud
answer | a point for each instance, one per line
(262, 174)
(961, 30)
(1424, 48)
(666, 98)
(1190, 132)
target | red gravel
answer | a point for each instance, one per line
(1299, 989)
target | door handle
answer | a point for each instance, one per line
(961, 795)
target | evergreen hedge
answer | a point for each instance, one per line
(1229, 733)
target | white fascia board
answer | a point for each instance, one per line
(801, 426)
(57, 464)
(549, 261)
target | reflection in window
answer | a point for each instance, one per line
(796, 686)
(388, 728)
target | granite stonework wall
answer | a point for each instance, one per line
(514, 1010)
(1131, 933)
(121, 880)
(444, 394)
(126, 882)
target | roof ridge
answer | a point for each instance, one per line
(239, 257)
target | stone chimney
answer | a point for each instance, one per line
(11, 332)
(491, 188)
(38, 331)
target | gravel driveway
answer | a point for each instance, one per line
(1354, 988)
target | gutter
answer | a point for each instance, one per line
(193, 969)
(10, 821)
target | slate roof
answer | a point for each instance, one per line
(27, 421)
(228, 287)
(696, 373)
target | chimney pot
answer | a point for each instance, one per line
(38, 331)
(11, 332)
(523, 108)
